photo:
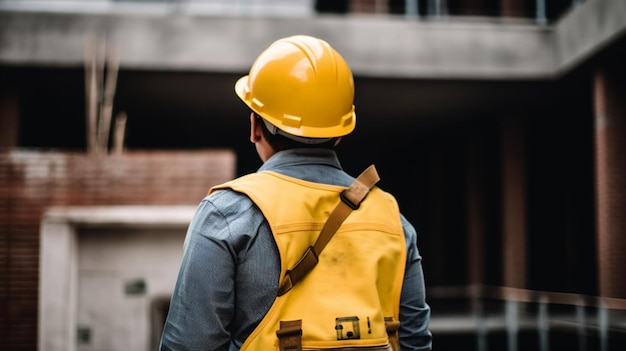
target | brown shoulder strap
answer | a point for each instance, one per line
(351, 199)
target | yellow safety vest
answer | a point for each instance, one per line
(345, 301)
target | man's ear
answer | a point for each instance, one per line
(255, 129)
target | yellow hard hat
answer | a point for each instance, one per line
(301, 85)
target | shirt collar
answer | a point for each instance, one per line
(298, 157)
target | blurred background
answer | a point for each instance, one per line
(500, 125)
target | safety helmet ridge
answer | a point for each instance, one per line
(303, 86)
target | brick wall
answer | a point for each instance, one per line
(30, 181)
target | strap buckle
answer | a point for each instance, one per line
(345, 200)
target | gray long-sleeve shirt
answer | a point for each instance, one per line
(230, 267)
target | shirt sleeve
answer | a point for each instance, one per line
(201, 307)
(414, 333)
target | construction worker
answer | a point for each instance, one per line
(299, 255)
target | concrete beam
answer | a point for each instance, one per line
(374, 45)
(587, 29)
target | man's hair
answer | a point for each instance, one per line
(279, 142)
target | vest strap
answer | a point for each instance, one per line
(351, 199)
(290, 335)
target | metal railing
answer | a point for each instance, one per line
(439, 8)
(587, 322)
(429, 8)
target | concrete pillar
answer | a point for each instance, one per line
(610, 171)
(512, 8)
(368, 6)
(476, 207)
(9, 112)
(474, 8)
(514, 203)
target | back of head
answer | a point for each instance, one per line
(303, 88)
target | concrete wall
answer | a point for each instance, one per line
(106, 275)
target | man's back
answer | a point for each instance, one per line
(229, 274)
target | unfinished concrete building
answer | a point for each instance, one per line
(500, 125)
